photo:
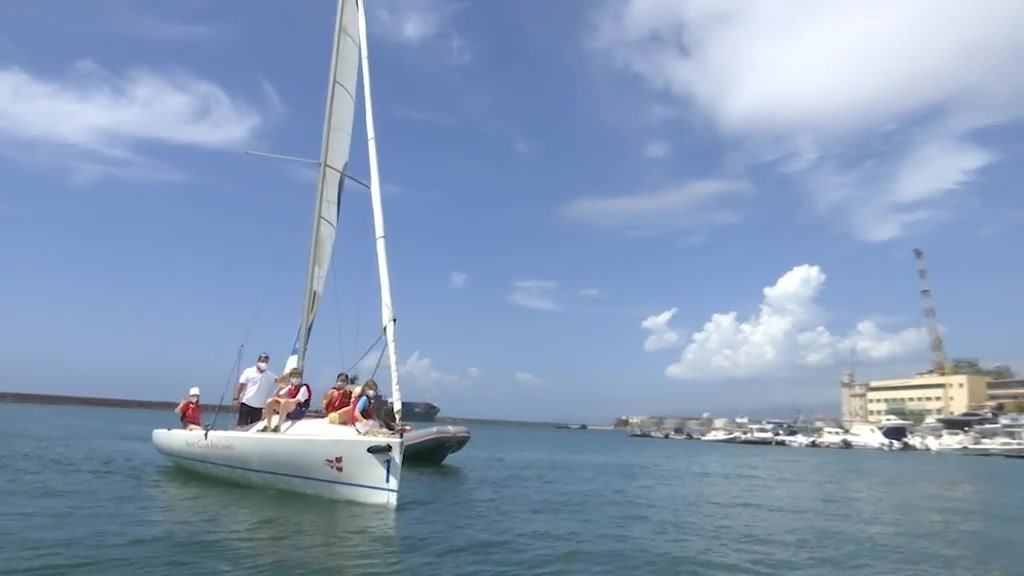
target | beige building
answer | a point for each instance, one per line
(1011, 390)
(926, 395)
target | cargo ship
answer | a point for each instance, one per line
(413, 411)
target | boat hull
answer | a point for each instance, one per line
(309, 456)
(431, 446)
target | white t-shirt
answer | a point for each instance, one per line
(258, 386)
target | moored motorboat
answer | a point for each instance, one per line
(719, 436)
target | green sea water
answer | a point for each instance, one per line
(84, 492)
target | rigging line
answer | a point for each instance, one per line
(223, 394)
(337, 314)
(368, 350)
(380, 357)
(359, 299)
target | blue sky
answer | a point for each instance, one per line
(577, 196)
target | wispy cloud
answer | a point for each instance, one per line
(879, 135)
(457, 279)
(527, 378)
(536, 294)
(657, 149)
(592, 293)
(422, 22)
(96, 120)
(695, 205)
(154, 28)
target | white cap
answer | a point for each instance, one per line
(193, 391)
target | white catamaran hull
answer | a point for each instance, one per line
(310, 456)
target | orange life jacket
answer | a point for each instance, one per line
(192, 414)
(341, 399)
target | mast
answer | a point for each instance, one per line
(334, 154)
(387, 310)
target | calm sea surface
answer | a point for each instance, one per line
(85, 493)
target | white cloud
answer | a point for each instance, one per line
(786, 332)
(871, 105)
(656, 149)
(527, 378)
(473, 373)
(661, 334)
(417, 369)
(94, 122)
(457, 279)
(592, 293)
(418, 22)
(690, 206)
(536, 294)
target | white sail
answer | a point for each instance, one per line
(387, 309)
(334, 156)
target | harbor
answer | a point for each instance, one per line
(960, 407)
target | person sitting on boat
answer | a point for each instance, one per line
(338, 397)
(363, 410)
(363, 413)
(190, 412)
(291, 401)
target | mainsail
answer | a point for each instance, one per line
(334, 156)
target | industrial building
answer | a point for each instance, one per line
(924, 395)
(948, 388)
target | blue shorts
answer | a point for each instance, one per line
(297, 414)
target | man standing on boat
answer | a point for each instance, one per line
(254, 387)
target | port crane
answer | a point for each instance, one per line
(940, 361)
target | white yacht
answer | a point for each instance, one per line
(719, 435)
(871, 437)
(832, 438)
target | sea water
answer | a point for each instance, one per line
(84, 492)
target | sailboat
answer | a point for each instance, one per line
(312, 456)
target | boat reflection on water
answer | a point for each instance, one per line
(227, 529)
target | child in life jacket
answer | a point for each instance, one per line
(190, 412)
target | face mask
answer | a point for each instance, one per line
(294, 380)
(194, 399)
(371, 393)
(261, 365)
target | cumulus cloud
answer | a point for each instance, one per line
(527, 378)
(661, 334)
(872, 106)
(691, 206)
(785, 332)
(536, 294)
(417, 369)
(457, 279)
(96, 121)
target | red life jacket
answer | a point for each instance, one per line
(293, 392)
(367, 413)
(192, 414)
(340, 400)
